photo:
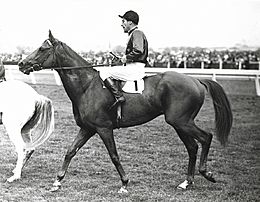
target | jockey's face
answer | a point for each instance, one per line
(126, 25)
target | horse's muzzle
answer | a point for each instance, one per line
(23, 69)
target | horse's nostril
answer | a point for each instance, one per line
(20, 64)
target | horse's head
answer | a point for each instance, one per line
(42, 58)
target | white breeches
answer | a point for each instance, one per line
(130, 72)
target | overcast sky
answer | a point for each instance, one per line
(94, 24)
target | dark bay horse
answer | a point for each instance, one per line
(177, 96)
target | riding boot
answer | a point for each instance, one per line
(116, 91)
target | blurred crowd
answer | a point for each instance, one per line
(207, 59)
(175, 58)
(12, 59)
(189, 58)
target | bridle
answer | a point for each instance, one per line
(57, 65)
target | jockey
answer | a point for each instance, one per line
(134, 59)
(2, 71)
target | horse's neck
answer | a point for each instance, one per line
(76, 80)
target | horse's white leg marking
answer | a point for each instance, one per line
(123, 190)
(16, 137)
(184, 185)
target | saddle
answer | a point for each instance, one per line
(136, 86)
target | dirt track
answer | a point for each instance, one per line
(152, 155)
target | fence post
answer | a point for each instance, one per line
(202, 64)
(257, 85)
(10, 74)
(33, 78)
(214, 77)
(168, 64)
(57, 78)
(239, 65)
(220, 64)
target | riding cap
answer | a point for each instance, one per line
(131, 16)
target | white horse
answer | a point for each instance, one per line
(28, 118)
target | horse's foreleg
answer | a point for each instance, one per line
(82, 137)
(108, 139)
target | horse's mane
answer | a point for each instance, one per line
(72, 54)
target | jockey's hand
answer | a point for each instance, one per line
(116, 61)
(123, 59)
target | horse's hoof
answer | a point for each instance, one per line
(208, 176)
(11, 179)
(123, 190)
(56, 186)
(184, 185)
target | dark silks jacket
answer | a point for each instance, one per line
(137, 47)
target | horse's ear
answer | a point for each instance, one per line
(51, 38)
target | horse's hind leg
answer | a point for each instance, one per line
(16, 138)
(188, 132)
(108, 139)
(205, 139)
(28, 152)
(191, 145)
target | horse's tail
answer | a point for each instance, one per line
(223, 113)
(41, 124)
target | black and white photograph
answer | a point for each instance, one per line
(129, 100)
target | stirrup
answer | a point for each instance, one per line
(118, 101)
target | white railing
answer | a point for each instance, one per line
(214, 74)
(12, 72)
(47, 76)
(221, 64)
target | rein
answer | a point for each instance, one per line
(81, 67)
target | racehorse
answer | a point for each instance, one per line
(177, 96)
(28, 118)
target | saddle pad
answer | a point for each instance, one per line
(134, 86)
